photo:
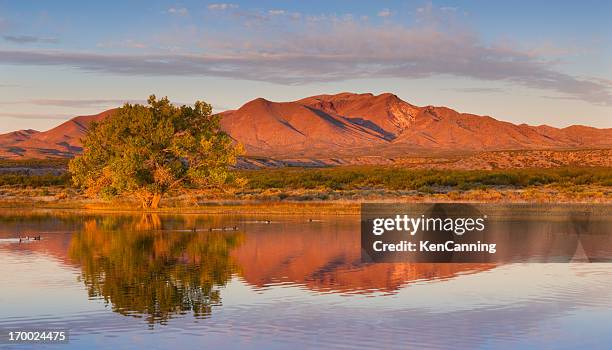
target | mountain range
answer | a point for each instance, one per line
(339, 126)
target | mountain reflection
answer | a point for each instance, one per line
(326, 258)
(146, 272)
(158, 267)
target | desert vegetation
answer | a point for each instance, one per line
(33, 173)
(398, 178)
(343, 184)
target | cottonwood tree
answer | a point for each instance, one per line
(146, 151)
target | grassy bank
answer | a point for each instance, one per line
(308, 190)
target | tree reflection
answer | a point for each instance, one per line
(143, 271)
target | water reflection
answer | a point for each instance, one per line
(158, 267)
(292, 282)
(144, 271)
(326, 257)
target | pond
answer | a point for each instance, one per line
(123, 281)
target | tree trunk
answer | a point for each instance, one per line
(149, 221)
(151, 200)
(155, 200)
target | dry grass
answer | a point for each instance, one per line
(338, 190)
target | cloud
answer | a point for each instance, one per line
(27, 39)
(181, 11)
(384, 13)
(329, 48)
(478, 90)
(82, 103)
(276, 12)
(88, 103)
(559, 97)
(31, 115)
(128, 44)
(222, 6)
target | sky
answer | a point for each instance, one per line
(520, 61)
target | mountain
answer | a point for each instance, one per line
(342, 126)
(60, 142)
(366, 124)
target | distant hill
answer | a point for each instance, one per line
(364, 124)
(340, 126)
(63, 141)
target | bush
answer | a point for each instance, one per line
(396, 178)
(20, 180)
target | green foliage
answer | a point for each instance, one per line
(60, 163)
(382, 177)
(33, 172)
(424, 180)
(21, 180)
(146, 151)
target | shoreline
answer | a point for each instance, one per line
(344, 207)
(226, 208)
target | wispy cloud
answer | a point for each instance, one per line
(222, 6)
(178, 11)
(88, 103)
(81, 103)
(384, 13)
(31, 115)
(277, 12)
(261, 18)
(28, 39)
(75, 103)
(559, 97)
(478, 90)
(335, 48)
(128, 44)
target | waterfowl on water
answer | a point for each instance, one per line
(28, 238)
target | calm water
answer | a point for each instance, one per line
(121, 281)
